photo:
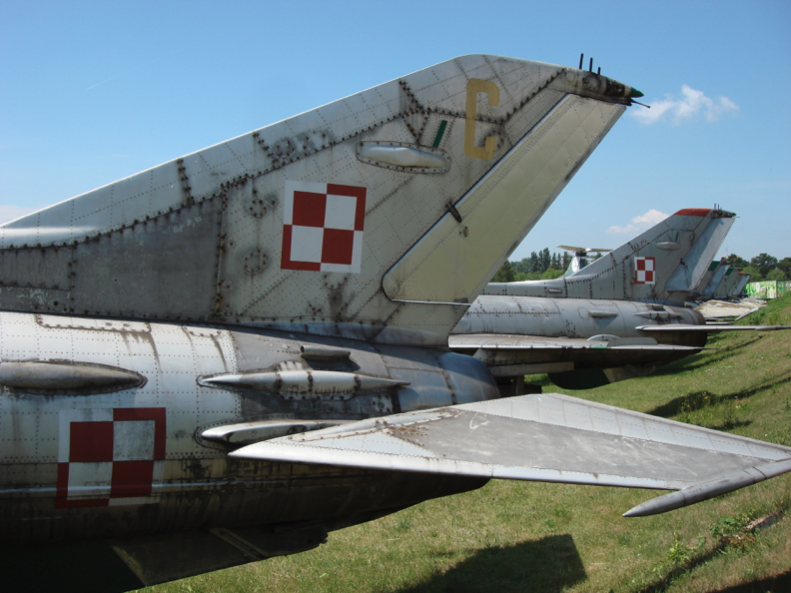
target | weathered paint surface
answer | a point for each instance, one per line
(518, 335)
(662, 265)
(86, 464)
(217, 236)
(301, 279)
(568, 318)
(571, 440)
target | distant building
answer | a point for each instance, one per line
(768, 289)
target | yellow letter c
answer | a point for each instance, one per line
(475, 86)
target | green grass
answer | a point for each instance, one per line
(527, 536)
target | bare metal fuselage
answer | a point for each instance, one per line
(576, 318)
(56, 486)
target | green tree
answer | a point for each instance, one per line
(505, 273)
(521, 267)
(552, 273)
(775, 274)
(532, 263)
(736, 261)
(544, 260)
(754, 272)
(764, 262)
(785, 265)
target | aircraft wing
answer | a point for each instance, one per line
(513, 355)
(708, 328)
(496, 342)
(544, 437)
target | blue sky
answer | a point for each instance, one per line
(96, 91)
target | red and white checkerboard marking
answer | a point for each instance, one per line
(323, 227)
(645, 270)
(109, 456)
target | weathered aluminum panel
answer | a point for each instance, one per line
(697, 291)
(745, 278)
(548, 437)
(515, 355)
(450, 263)
(567, 318)
(710, 329)
(201, 238)
(191, 483)
(716, 278)
(729, 282)
(674, 273)
(695, 264)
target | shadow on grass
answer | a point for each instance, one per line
(701, 399)
(705, 358)
(548, 565)
(777, 584)
(730, 425)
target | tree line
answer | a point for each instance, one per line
(762, 267)
(542, 265)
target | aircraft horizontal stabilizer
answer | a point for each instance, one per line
(495, 342)
(709, 328)
(544, 437)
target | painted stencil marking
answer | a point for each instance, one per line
(323, 227)
(645, 270)
(110, 456)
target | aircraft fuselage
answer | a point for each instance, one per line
(576, 318)
(114, 428)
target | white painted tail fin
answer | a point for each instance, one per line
(663, 265)
(344, 220)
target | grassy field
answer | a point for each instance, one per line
(527, 536)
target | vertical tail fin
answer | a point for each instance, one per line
(345, 220)
(738, 289)
(729, 282)
(661, 265)
(716, 278)
(705, 279)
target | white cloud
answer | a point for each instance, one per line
(9, 213)
(687, 106)
(639, 223)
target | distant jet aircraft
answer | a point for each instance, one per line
(726, 305)
(580, 257)
(227, 356)
(714, 281)
(588, 342)
(714, 267)
(661, 265)
(729, 284)
(739, 290)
